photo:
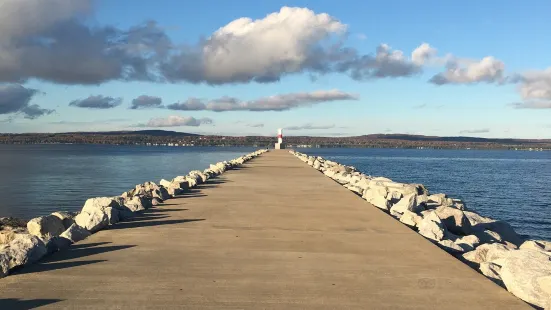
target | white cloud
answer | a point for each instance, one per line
(422, 54)
(176, 120)
(280, 102)
(535, 89)
(464, 71)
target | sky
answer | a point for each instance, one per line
(320, 68)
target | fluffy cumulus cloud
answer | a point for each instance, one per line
(176, 120)
(52, 40)
(280, 102)
(310, 127)
(96, 102)
(466, 71)
(15, 100)
(535, 89)
(146, 102)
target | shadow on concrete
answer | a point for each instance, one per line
(24, 304)
(44, 266)
(137, 223)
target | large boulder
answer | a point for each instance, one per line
(75, 233)
(538, 245)
(25, 249)
(407, 203)
(377, 197)
(94, 221)
(491, 271)
(137, 204)
(520, 273)
(454, 220)
(503, 229)
(467, 243)
(45, 227)
(431, 227)
(100, 203)
(67, 218)
(487, 236)
(450, 246)
(491, 253)
(411, 219)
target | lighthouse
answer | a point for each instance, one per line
(279, 145)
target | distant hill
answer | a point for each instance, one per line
(155, 133)
(406, 137)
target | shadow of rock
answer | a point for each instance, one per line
(72, 252)
(137, 223)
(40, 267)
(24, 304)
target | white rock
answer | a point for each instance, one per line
(376, 196)
(136, 204)
(431, 227)
(504, 229)
(112, 215)
(539, 245)
(409, 203)
(99, 203)
(75, 233)
(25, 249)
(45, 226)
(450, 246)
(475, 218)
(520, 273)
(94, 221)
(468, 243)
(491, 271)
(487, 236)
(411, 219)
(454, 220)
(165, 183)
(492, 253)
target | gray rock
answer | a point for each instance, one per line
(454, 220)
(75, 233)
(25, 249)
(4, 264)
(520, 273)
(431, 227)
(45, 227)
(112, 215)
(94, 221)
(491, 271)
(66, 218)
(56, 244)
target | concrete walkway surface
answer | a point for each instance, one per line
(273, 234)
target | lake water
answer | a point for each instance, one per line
(39, 179)
(514, 186)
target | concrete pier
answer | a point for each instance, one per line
(273, 234)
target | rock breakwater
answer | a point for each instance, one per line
(23, 243)
(490, 246)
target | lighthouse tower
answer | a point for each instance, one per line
(279, 145)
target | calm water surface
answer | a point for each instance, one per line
(39, 179)
(514, 186)
(510, 185)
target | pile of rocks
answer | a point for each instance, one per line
(23, 243)
(490, 246)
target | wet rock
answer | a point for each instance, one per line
(45, 227)
(520, 273)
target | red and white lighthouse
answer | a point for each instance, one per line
(279, 145)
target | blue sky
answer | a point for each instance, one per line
(507, 95)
